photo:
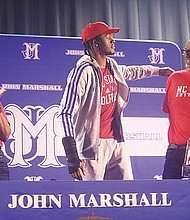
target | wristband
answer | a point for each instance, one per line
(69, 144)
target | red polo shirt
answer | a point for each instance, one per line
(177, 105)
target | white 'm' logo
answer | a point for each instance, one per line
(35, 132)
(31, 51)
(157, 56)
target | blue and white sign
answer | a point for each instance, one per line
(95, 200)
(34, 71)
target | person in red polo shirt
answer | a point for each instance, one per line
(177, 106)
(5, 132)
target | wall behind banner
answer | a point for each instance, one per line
(34, 71)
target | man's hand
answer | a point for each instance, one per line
(79, 173)
(75, 165)
(165, 71)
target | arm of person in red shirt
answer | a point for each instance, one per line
(5, 130)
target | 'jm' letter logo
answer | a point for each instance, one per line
(31, 51)
(157, 56)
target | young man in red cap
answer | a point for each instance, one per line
(4, 135)
(94, 98)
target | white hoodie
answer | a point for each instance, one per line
(81, 103)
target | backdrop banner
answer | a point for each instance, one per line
(34, 71)
(95, 200)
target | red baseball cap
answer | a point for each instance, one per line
(96, 28)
